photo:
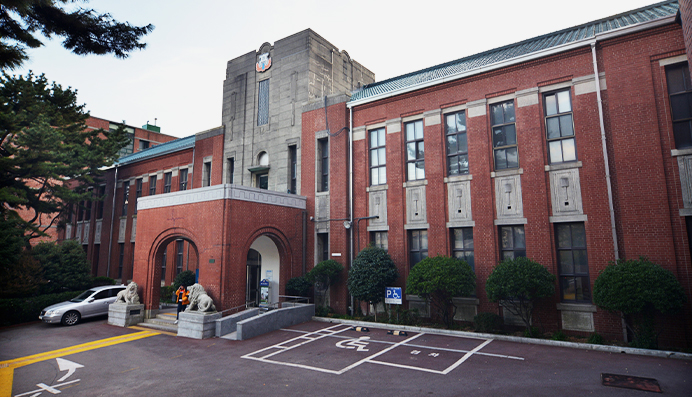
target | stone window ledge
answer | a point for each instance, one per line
(576, 307)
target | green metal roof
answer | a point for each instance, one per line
(523, 48)
(158, 150)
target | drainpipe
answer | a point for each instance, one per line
(350, 190)
(605, 153)
(110, 238)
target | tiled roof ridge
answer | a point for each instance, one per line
(556, 38)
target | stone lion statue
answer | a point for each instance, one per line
(128, 295)
(199, 300)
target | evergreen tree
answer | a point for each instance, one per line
(44, 143)
(372, 271)
(84, 31)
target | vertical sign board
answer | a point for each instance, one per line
(393, 295)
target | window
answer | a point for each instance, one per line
(292, 169)
(415, 149)
(457, 147)
(322, 247)
(263, 103)
(323, 145)
(512, 242)
(573, 266)
(143, 145)
(262, 181)
(559, 127)
(380, 240)
(163, 264)
(418, 243)
(179, 248)
(378, 161)
(182, 177)
(138, 191)
(99, 203)
(680, 91)
(87, 207)
(462, 245)
(152, 185)
(504, 135)
(167, 182)
(121, 259)
(126, 196)
(230, 164)
(206, 174)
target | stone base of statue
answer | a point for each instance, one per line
(124, 315)
(197, 325)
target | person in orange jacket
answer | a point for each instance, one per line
(182, 298)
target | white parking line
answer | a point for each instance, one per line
(335, 330)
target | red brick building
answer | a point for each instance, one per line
(572, 148)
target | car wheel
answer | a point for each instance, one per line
(71, 318)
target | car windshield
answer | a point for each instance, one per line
(82, 296)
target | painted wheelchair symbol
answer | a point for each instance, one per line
(359, 344)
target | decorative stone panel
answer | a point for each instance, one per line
(577, 317)
(68, 231)
(121, 230)
(508, 198)
(459, 203)
(85, 234)
(377, 207)
(565, 189)
(97, 233)
(417, 303)
(467, 308)
(78, 235)
(685, 166)
(416, 214)
(134, 230)
(321, 212)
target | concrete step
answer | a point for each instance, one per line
(159, 327)
(231, 336)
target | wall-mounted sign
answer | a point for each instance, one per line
(264, 63)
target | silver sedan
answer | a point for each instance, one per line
(91, 303)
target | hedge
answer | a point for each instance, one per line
(22, 310)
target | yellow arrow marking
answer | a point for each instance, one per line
(7, 367)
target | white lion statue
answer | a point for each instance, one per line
(199, 300)
(128, 295)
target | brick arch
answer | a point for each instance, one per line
(151, 288)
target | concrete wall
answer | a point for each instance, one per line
(273, 320)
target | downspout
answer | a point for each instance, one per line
(350, 191)
(605, 152)
(110, 238)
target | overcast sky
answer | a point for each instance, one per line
(178, 78)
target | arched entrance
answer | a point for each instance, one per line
(263, 262)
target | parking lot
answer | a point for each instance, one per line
(314, 358)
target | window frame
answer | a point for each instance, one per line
(323, 180)
(126, 197)
(263, 102)
(138, 190)
(683, 69)
(414, 163)
(516, 251)
(152, 185)
(463, 251)
(415, 239)
(167, 181)
(559, 115)
(457, 133)
(206, 173)
(378, 149)
(380, 239)
(504, 123)
(182, 179)
(564, 277)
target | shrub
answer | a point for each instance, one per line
(487, 322)
(518, 283)
(323, 275)
(186, 278)
(595, 339)
(371, 272)
(559, 335)
(167, 292)
(21, 310)
(438, 279)
(102, 280)
(639, 289)
(65, 266)
(298, 286)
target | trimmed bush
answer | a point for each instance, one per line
(487, 322)
(298, 286)
(519, 283)
(186, 278)
(65, 266)
(372, 271)
(102, 280)
(639, 289)
(167, 292)
(438, 279)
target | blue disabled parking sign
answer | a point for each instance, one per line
(393, 295)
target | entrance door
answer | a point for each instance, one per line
(254, 267)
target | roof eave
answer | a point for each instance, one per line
(524, 58)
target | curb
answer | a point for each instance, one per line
(516, 339)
